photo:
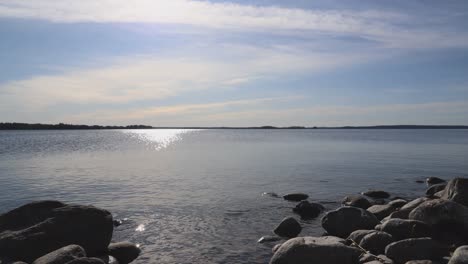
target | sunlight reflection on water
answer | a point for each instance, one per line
(159, 138)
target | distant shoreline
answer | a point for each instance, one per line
(61, 126)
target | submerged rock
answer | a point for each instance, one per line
(124, 252)
(345, 220)
(307, 250)
(308, 210)
(434, 180)
(377, 194)
(457, 191)
(296, 197)
(289, 227)
(415, 249)
(37, 228)
(62, 255)
(460, 256)
(357, 201)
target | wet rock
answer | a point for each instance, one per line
(376, 242)
(404, 211)
(345, 220)
(117, 222)
(381, 211)
(306, 250)
(265, 239)
(124, 252)
(357, 201)
(308, 210)
(434, 180)
(460, 256)
(275, 248)
(435, 188)
(415, 249)
(271, 194)
(457, 191)
(403, 228)
(35, 229)
(289, 227)
(398, 203)
(62, 255)
(356, 236)
(377, 194)
(86, 261)
(296, 197)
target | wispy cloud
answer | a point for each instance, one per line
(385, 27)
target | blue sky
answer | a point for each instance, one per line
(234, 63)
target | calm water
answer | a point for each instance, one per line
(195, 196)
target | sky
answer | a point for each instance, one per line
(234, 63)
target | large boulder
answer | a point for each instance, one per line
(35, 229)
(376, 194)
(296, 197)
(404, 211)
(404, 228)
(415, 249)
(62, 255)
(457, 191)
(434, 180)
(376, 242)
(308, 210)
(357, 201)
(317, 250)
(289, 228)
(432, 190)
(124, 252)
(345, 220)
(460, 256)
(382, 211)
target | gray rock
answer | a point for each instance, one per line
(377, 194)
(404, 211)
(381, 211)
(376, 242)
(356, 236)
(460, 256)
(276, 247)
(35, 229)
(415, 249)
(404, 228)
(289, 228)
(425, 261)
(345, 220)
(369, 258)
(62, 255)
(297, 197)
(398, 203)
(357, 201)
(434, 180)
(435, 188)
(86, 261)
(124, 252)
(457, 191)
(308, 210)
(306, 250)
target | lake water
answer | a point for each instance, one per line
(195, 196)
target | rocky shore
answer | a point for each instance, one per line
(51, 232)
(376, 228)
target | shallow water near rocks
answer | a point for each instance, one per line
(195, 196)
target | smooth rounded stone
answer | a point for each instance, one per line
(381, 211)
(289, 228)
(271, 194)
(276, 247)
(265, 239)
(357, 201)
(343, 221)
(62, 255)
(376, 242)
(442, 215)
(460, 256)
(124, 252)
(86, 261)
(356, 236)
(404, 211)
(296, 197)
(35, 229)
(308, 210)
(370, 258)
(404, 228)
(415, 249)
(434, 180)
(435, 188)
(318, 250)
(398, 203)
(439, 194)
(425, 261)
(457, 191)
(377, 194)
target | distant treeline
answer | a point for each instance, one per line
(25, 126)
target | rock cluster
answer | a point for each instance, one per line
(431, 229)
(51, 232)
